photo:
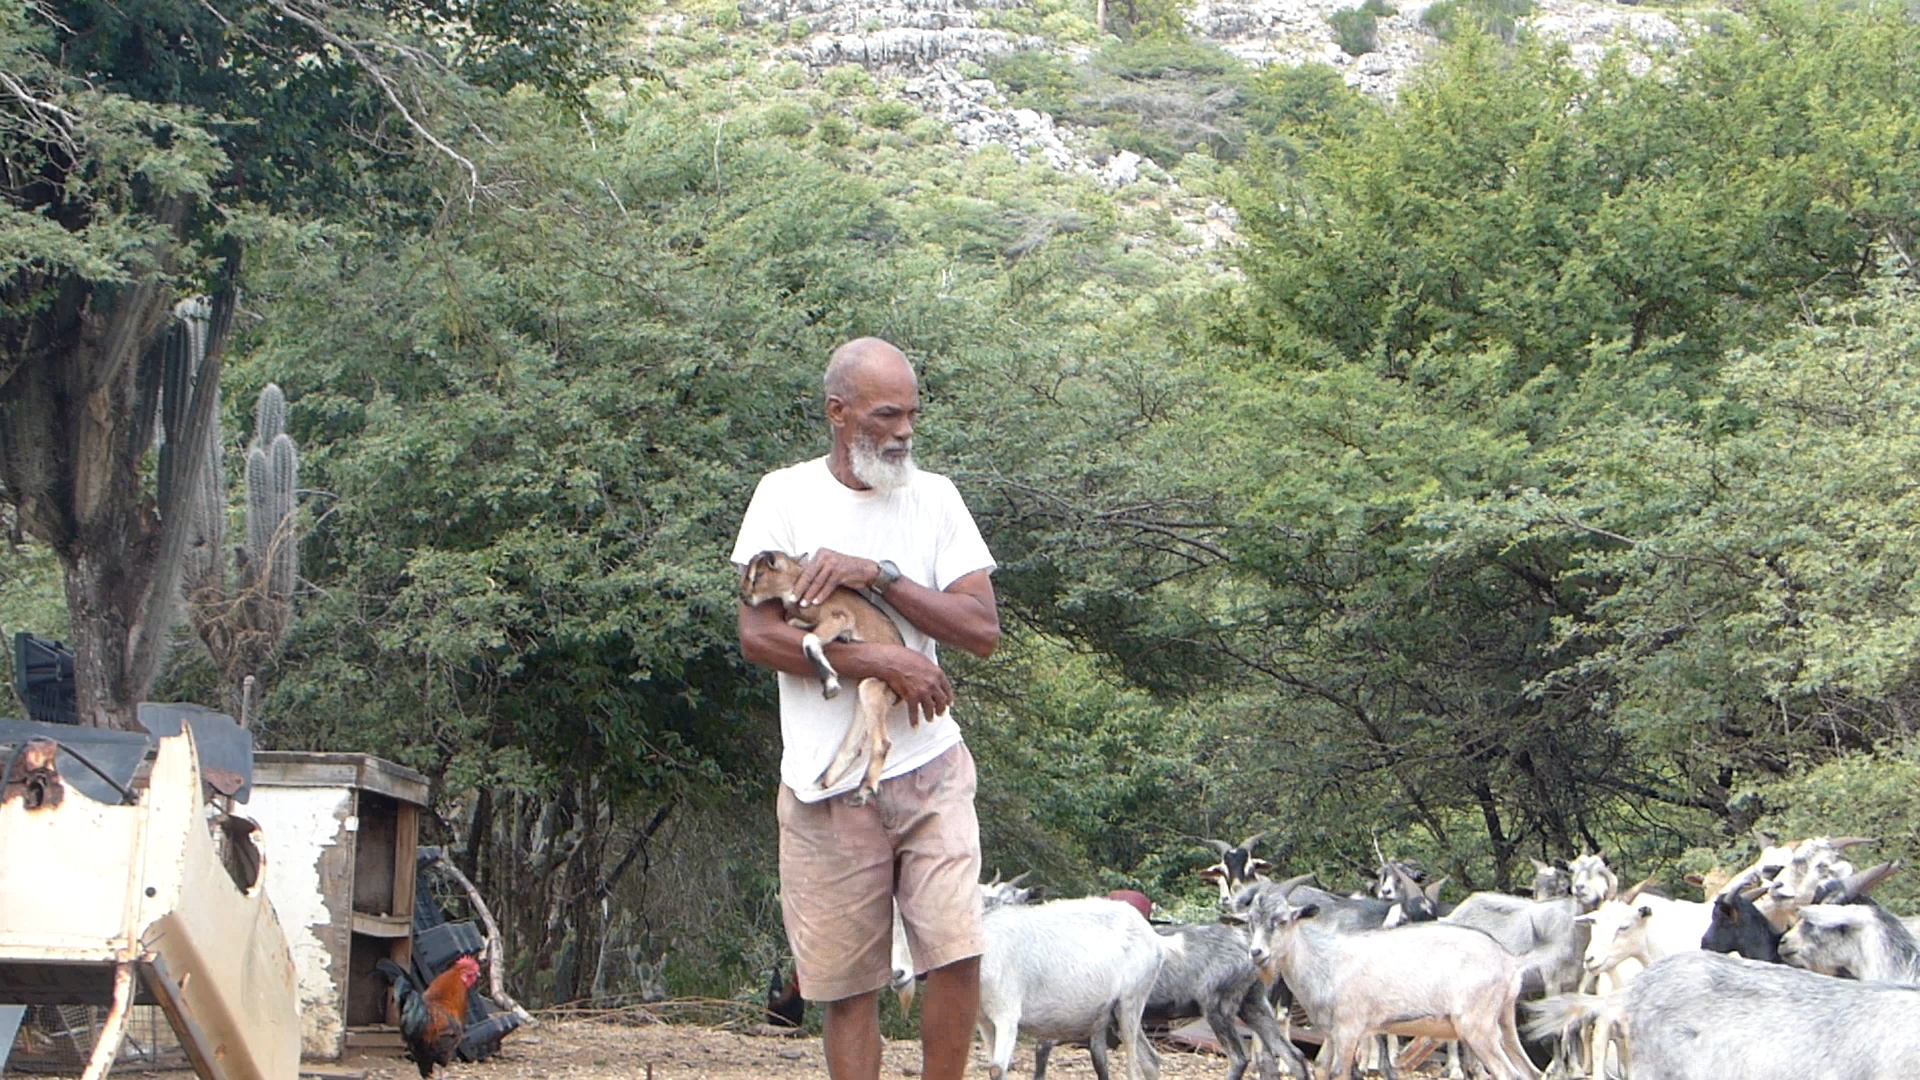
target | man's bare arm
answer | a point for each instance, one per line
(767, 640)
(965, 616)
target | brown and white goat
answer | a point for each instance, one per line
(844, 615)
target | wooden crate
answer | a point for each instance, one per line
(341, 831)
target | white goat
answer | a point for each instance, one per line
(1647, 928)
(1426, 980)
(1592, 881)
(1068, 971)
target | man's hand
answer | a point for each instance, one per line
(918, 681)
(829, 570)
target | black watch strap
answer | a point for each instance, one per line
(888, 574)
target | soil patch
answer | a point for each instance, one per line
(623, 1050)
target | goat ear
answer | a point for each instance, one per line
(1215, 873)
(1307, 912)
(1258, 866)
(1433, 891)
(1540, 867)
(1646, 912)
(1585, 917)
(1698, 881)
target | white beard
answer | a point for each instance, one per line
(875, 470)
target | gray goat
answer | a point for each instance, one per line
(1209, 973)
(1068, 971)
(1426, 980)
(1856, 941)
(1709, 1016)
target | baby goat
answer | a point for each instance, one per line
(844, 615)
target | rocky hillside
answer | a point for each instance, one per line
(933, 52)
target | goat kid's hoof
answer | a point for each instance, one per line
(830, 689)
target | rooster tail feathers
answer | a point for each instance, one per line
(395, 974)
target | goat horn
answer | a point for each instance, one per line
(1630, 895)
(1292, 883)
(1247, 844)
(1015, 880)
(1844, 842)
(995, 881)
(1220, 845)
(1864, 882)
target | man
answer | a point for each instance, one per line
(870, 520)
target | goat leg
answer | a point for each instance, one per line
(867, 733)
(878, 699)
(817, 656)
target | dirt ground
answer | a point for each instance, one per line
(594, 1049)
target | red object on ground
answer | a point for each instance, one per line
(1139, 901)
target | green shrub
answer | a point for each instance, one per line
(1155, 58)
(847, 80)
(1448, 19)
(891, 115)
(835, 131)
(789, 76)
(789, 120)
(1356, 29)
(927, 130)
(1036, 80)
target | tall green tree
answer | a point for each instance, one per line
(1461, 298)
(142, 143)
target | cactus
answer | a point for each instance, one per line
(243, 616)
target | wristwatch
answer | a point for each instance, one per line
(884, 580)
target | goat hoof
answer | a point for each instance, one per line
(859, 798)
(830, 689)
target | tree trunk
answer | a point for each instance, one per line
(102, 599)
(78, 413)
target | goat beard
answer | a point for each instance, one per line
(876, 470)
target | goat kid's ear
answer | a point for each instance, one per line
(1307, 912)
(1433, 891)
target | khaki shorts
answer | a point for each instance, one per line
(841, 868)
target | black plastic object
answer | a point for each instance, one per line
(43, 673)
(221, 743)
(435, 950)
(110, 756)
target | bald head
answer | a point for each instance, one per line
(872, 401)
(857, 362)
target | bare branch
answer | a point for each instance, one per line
(386, 84)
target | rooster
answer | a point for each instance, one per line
(432, 1021)
(785, 1006)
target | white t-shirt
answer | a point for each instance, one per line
(927, 532)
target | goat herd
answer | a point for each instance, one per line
(1822, 983)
